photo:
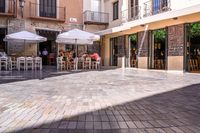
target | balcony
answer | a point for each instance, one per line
(38, 11)
(98, 18)
(156, 7)
(131, 14)
(7, 7)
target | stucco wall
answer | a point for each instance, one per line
(143, 62)
(74, 9)
(123, 5)
(175, 63)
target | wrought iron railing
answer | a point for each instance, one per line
(95, 17)
(133, 13)
(7, 7)
(156, 7)
(51, 12)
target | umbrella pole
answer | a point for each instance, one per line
(24, 48)
(76, 54)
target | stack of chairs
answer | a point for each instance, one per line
(194, 65)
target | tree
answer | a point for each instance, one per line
(195, 29)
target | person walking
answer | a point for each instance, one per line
(44, 56)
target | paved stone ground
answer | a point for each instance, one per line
(107, 101)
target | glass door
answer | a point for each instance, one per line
(134, 9)
(192, 49)
(48, 8)
(96, 8)
(114, 51)
(156, 6)
(158, 49)
(133, 50)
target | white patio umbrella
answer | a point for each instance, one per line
(77, 37)
(24, 37)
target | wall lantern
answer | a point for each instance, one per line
(175, 18)
(21, 5)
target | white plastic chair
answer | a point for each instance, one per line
(29, 63)
(38, 63)
(60, 63)
(21, 63)
(97, 63)
(12, 64)
(4, 63)
(87, 63)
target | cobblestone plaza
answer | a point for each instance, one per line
(117, 101)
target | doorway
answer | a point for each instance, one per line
(193, 47)
(114, 51)
(133, 51)
(50, 46)
(158, 49)
(3, 47)
(2, 6)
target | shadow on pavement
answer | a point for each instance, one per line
(170, 112)
(47, 72)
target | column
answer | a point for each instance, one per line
(176, 47)
(143, 50)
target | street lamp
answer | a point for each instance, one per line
(21, 5)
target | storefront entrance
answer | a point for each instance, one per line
(158, 50)
(50, 46)
(3, 32)
(133, 50)
(193, 47)
(114, 51)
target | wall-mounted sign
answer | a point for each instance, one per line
(73, 20)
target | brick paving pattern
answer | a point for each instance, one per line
(110, 101)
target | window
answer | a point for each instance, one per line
(48, 8)
(160, 6)
(2, 6)
(96, 8)
(134, 8)
(96, 5)
(115, 10)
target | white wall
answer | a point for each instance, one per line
(180, 4)
(123, 5)
(108, 7)
(86, 5)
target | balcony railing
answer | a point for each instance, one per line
(156, 7)
(7, 7)
(38, 11)
(133, 13)
(91, 17)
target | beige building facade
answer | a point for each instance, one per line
(46, 18)
(146, 34)
(152, 34)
